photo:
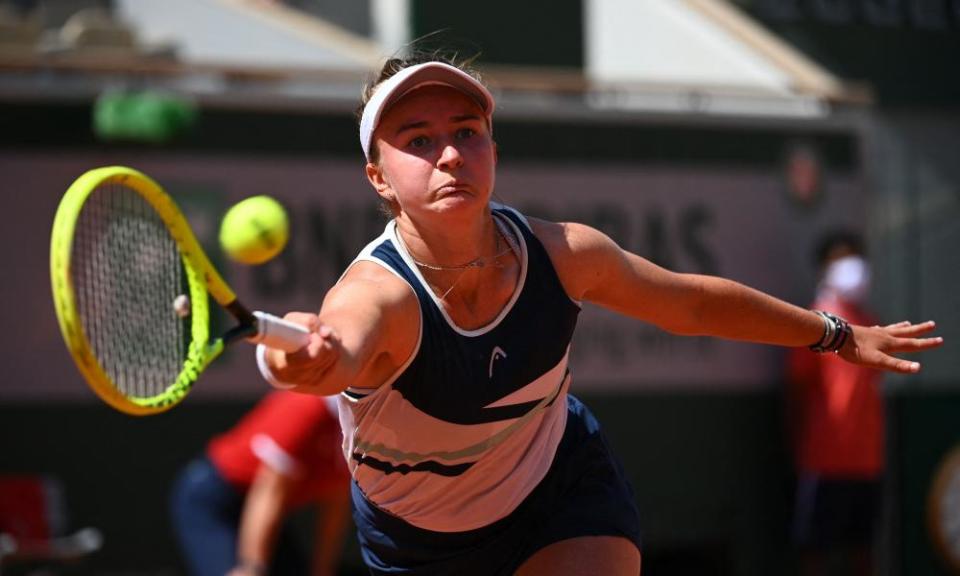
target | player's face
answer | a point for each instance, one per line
(436, 153)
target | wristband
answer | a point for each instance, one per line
(836, 331)
(267, 373)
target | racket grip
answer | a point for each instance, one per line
(276, 332)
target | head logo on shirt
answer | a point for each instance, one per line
(496, 354)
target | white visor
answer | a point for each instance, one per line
(411, 78)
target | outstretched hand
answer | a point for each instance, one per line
(873, 346)
(311, 363)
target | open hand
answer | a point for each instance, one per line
(873, 346)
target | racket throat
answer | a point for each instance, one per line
(241, 332)
(246, 329)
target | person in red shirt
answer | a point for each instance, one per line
(229, 505)
(837, 421)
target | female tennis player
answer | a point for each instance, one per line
(448, 341)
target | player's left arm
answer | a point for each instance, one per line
(594, 268)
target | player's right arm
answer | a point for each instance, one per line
(366, 329)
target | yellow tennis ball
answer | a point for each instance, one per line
(254, 230)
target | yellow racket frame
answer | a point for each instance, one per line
(201, 276)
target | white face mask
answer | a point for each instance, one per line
(847, 278)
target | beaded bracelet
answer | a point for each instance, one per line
(836, 331)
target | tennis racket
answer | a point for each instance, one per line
(130, 287)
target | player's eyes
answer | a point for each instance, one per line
(424, 141)
(419, 142)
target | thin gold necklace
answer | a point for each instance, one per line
(478, 262)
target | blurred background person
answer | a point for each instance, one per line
(836, 416)
(230, 506)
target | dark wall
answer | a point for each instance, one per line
(708, 472)
(545, 33)
(27, 125)
(926, 430)
(905, 50)
(116, 470)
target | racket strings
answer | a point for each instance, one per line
(126, 273)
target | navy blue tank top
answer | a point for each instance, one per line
(469, 425)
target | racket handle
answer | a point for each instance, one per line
(276, 332)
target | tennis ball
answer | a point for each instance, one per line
(254, 230)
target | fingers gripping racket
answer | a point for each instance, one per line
(131, 285)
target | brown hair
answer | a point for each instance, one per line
(396, 64)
